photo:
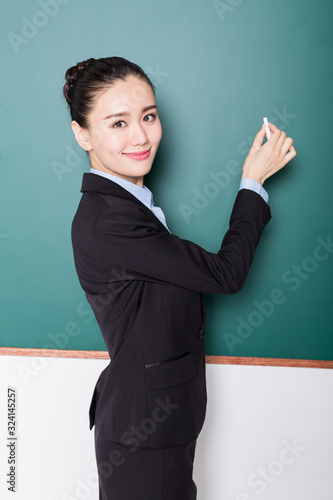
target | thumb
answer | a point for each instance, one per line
(258, 140)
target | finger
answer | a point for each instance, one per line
(275, 136)
(281, 141)
(275, 133)
(273, 127)
(287, 145)
(258, 140)
(289, 156)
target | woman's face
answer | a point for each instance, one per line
(123, 123)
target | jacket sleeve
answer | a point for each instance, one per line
(128, 237)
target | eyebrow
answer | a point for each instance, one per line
(123, 113)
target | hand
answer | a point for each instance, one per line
(265, 160)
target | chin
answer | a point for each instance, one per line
(148, 169)
(141, 170)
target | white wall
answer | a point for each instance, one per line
(268, 431)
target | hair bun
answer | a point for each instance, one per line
(70, 77)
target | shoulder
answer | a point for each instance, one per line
(103, 213)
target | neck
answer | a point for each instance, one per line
(135, 180)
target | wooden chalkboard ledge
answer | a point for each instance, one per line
(219, 360)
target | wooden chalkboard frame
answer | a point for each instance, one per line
(219, 360)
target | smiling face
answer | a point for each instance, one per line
(124, 130)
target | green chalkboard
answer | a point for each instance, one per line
(219, 68)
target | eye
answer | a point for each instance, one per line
(117, 124)
(152, 115)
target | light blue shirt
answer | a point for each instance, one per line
(141, 193)
(146, 196)
(248, 183)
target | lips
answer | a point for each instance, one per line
(139, 155)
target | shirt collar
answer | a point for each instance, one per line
(142, 193)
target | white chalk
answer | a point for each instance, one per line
(268, 132)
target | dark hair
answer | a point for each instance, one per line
(85, 80)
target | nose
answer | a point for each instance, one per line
(138, 134)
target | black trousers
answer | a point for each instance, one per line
(129, 473)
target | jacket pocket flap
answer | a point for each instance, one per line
(171, 372)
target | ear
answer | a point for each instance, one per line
(81, 136)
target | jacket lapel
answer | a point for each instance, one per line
(99, 184)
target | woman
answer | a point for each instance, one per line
(145, 284)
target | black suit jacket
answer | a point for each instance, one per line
(146, 288)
